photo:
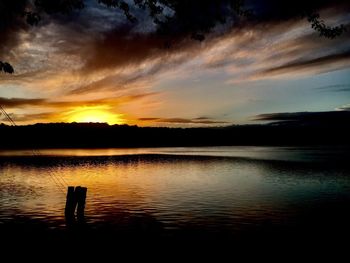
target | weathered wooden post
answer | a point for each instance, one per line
(81, 197)
(75, 201)
(70, 204)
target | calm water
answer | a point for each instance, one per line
(210, 190)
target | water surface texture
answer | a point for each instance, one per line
(202, 191)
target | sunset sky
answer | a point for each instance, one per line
(94, 65)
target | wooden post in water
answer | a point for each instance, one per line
(70, 204)
(75, 200)
(81, 197)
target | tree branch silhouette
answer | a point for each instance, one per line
(6, 67)
(324, 30)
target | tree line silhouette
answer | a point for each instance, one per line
(329, 128)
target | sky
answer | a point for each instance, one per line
(93, 65)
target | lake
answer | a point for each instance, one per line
(203, 193)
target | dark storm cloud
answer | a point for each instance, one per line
(121, 47)
(10, 24)
(118, 49)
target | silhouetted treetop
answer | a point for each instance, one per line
(6, 67)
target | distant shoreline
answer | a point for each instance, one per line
(99, 135)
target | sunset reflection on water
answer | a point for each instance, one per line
(172, 192)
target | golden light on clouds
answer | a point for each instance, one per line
(95, 114)
(89, 71)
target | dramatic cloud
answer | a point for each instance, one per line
(20, 102)
(302, 64)
(198, 121)
(336, 88)
(39, 117)
(95, 57)
(306, 117)
(285, 50)
(344, 108)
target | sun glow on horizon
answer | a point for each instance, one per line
(95, 114)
